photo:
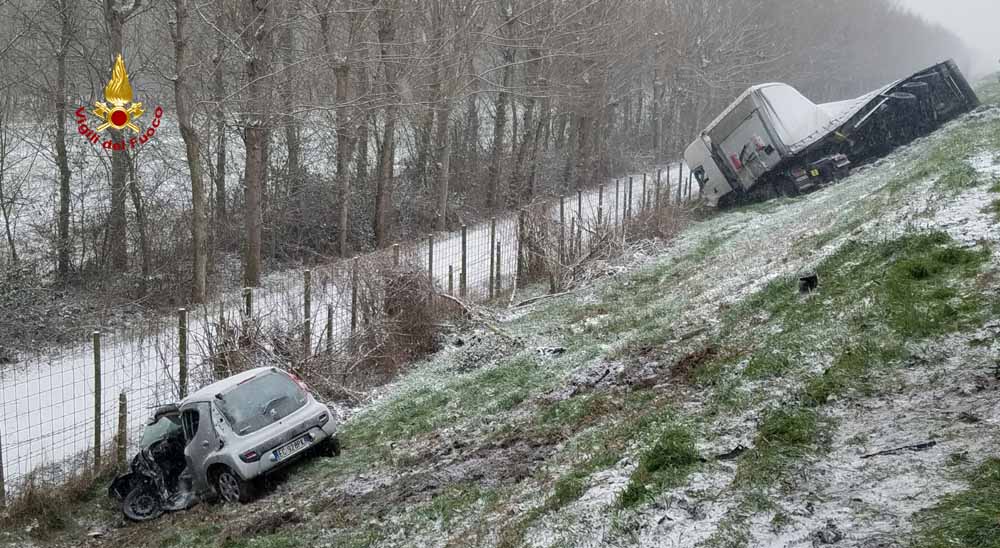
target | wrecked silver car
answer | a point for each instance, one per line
(222, 441)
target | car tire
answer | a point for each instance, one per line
(233, 488)
(330, 447)
(142, 504)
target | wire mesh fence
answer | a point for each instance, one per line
(84, 408)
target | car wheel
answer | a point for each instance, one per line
(233, 488)
(142, 504)
(331, 447)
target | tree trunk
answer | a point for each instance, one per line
(386, 21)
(256, 41)
(219, 92)
(500, 122)
(118, 222)
(182, 99)
(62, 159)
(140, 219)
(383, 183)
(443, 139)
(291, 93)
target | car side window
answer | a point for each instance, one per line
(190, 419)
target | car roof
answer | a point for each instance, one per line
(208, 393)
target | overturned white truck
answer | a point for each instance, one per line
(772, 140)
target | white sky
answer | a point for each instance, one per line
(976, 21)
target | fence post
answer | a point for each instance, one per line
(182, 353)
(463, 275)
(628, 209)
(645, 202)
(248, 302)
(562, 229)
(493, 243)
(618, 212)
(680, 183)
(3, 483)
(97, 401)
(122, 430)
(521, 220)
(329, 328)
(395, 255)
(430, 258)
(354, 295)
(574, 238)
(656, 193)
(600, 205)
(497, 277)
(307, 313)
(451, 279)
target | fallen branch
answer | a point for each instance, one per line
(478, 315)
(915, 447)
(534, 300)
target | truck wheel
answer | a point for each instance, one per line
(233, 488)
(787, 188)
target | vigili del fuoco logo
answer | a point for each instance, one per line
(118, 113)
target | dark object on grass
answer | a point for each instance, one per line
(808, 282)
(915, 447)
(733, 454)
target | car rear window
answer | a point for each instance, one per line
(260, 401)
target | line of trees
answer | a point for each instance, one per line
(309, 128)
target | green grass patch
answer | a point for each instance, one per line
(785, 435)
(664, 465)
(969, 518)
(851, 370)
(767, 364)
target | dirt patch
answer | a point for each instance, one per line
(687, 366)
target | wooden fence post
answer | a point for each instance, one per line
(354, 295)
(329, 328)
(3, 482)
(562, 229)
(182, 353)
(656, 193)
(395, 255)
(579, 220)
(430, 258)
(645, 203)
(618, 212)
(600, 205)
(628, 208)
(498, 277)
(521, 222)
(97, 401)
(122, 440)
(463, 276)
(451, 279)
(493, 243)
(680, 183)
(307, 313)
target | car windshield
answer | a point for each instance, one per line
(260, 401)
(166, 425)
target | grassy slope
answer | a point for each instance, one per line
(706, 348)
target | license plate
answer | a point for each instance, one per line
(291, 448)
(814, 173)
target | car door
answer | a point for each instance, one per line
(202, 441)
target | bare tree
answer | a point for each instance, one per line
(183, 103)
